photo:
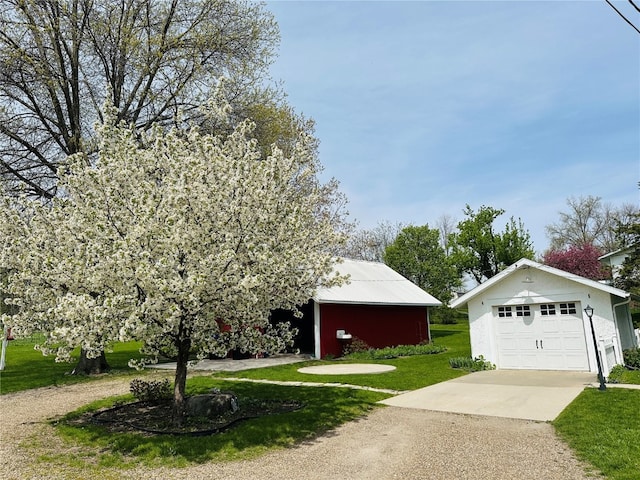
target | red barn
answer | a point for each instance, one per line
(377, 305)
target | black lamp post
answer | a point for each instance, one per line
(589, 311)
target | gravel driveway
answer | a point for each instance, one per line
(389, 443)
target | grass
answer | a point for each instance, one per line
(630, 377)
(620, 374)
(27, 368)
(324, 410)
(603, 428)
(411, 372)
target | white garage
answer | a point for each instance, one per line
(531, 316)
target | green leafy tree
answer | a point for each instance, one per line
(418, 255)
(482, 252)
(277, 124)
(629, 275)
(513, 243)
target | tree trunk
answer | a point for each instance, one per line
(91, 366)
(180, 382)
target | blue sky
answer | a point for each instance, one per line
(423, 107)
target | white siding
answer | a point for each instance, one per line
(545, 287)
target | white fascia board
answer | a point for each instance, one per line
(365, 302)
(464, 299)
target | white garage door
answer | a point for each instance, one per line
(543, 337)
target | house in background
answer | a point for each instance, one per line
(531, 316)
(376, 305)
(615, 260)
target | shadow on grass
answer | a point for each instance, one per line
(440, 333)
(325, 409)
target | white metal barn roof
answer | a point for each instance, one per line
(372, 283)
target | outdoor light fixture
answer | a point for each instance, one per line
(527, 276)
(589, 311)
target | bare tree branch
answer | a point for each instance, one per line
(59, 59)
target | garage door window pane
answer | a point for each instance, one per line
(549, 309)
(504, 311)
(567, 309)
(523, 311)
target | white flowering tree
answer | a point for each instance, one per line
(178, 239)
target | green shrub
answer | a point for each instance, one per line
(632, 357)
(471, 364)
(635, 317)
(395, 352)
(444, 316)
(616, 373)
(155, 391)
(355, 345)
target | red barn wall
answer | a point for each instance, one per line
(378, 326)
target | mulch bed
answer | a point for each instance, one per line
(156, 419)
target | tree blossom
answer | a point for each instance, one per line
(178, 239)
(578, 259)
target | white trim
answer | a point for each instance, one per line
(376, 304)
(526, 263)
(5, 343)
(316, 329)
(615, 252)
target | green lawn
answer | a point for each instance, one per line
(628, 376)
(603, 428)
(411, 372)
(27, 368)
(323, 410)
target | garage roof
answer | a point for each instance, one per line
(373, 283)
(526, 263)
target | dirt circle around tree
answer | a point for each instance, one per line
(347, 369)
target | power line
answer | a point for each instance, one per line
(623, 17)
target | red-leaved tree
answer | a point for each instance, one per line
(579, 259)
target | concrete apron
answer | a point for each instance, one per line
(524, 394)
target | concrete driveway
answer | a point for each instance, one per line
(523, 394)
